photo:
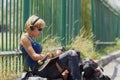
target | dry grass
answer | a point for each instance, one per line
(85, 45)
(10, 75)
(50, 44)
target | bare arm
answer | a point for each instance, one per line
(28, 47)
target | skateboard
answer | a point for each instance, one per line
(45, 62)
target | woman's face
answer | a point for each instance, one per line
(37, 31)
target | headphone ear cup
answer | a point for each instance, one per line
(31, 27)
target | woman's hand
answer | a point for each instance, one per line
(50, 55)
(58, 52)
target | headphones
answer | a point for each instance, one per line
(32, 25)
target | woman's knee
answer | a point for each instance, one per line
(73, 53)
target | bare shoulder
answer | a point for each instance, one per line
(24, 39)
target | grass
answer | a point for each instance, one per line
(84, 44)
(10, 67)
(8, 76)
(88, 49)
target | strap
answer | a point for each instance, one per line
(59, 68)
(64, 76)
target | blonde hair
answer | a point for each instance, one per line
(39, 23)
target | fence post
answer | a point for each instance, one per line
(63, 42)
(26, 14)
(26, 11)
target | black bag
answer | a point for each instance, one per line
(88, 68)
(105, 77)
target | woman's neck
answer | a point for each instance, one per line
(29, 34)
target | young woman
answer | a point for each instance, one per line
(32, 52)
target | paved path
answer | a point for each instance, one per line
(112, 69)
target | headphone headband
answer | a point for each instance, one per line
(32, 25)
(35, 21)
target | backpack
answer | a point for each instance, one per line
(88, 68)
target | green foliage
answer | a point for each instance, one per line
(109, 49)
